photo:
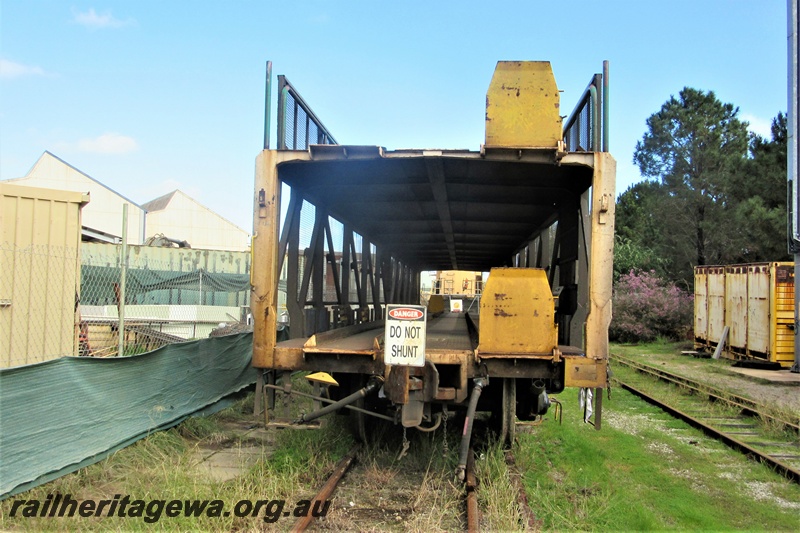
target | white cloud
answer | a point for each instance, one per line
(108, 143)
(92, 19)
(759, 125)
(11, 70)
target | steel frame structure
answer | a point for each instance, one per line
(381, 217)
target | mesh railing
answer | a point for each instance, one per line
(298, 126)
(54, 304)
(583, 128)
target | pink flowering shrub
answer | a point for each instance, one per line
(646, 307)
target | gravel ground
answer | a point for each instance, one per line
(729, 472)
(782, 396)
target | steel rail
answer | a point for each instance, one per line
(745, 404)
(327, 489)
(785, 470)
(529, 519)
(473, 517)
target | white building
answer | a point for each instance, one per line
(174, 215)
(177, 216)
(102, 217)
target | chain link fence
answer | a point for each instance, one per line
(54, 303)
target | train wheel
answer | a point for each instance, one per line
(508, 423)
(366, 428)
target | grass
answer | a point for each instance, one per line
(643, 471)
(665, 352)
(497, 496)
(659, 346)
(646, 471)
(414, 493)
(163, 467)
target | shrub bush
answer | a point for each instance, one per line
(646, 307)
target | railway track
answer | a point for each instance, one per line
(328, 488)
(529, 520)
(373, 518)
(355, 466)
(739, 432)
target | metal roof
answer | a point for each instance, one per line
(160, 203)
(440, 209)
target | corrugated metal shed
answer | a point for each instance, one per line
(755, 301)
(40, 231)
(181, 217)
(104, 215)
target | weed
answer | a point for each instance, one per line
(199, 427)
(644, 470)
(497, 496)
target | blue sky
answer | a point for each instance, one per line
(150, 96)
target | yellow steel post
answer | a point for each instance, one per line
(602, 256)
(266, 223)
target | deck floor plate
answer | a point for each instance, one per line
(445, 333)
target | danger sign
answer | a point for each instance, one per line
(404, 338)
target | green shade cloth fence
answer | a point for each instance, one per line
(163, 287)
(59, 416)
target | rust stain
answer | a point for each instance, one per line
(500, 296)
(501, 312)
(509, 88)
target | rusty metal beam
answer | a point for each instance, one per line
(291, 221)
(318, 258)
(366, 267)
(309, 264)
(327, 489)
(439, 189)
(331, 257)
(347, 235)
(355, 263)
(293, 305)
(473, 518)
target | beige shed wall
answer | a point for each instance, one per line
(105, 211)
(40, 232)
(186, 220)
